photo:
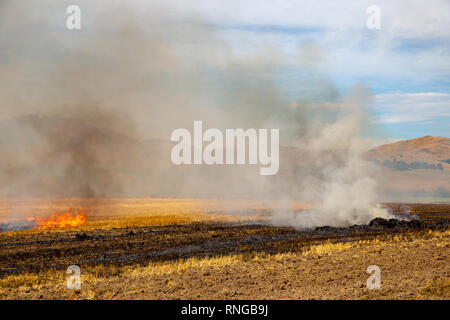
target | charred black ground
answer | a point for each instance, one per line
(34, 252)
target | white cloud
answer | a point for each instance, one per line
(411, 107)
(400, 18)
(341, 48)
(413, 40)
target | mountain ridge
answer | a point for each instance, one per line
(425, 152)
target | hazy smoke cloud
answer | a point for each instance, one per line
(337, 180)
(103, 101)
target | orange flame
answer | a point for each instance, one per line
(63, 220)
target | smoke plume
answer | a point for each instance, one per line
(89, 113)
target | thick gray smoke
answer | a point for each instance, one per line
(89, 113)
(337, 180)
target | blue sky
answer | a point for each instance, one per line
(405, 64)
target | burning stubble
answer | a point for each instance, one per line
(101, 103)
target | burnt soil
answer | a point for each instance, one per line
(36, 252)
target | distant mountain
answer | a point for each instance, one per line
(100, 156)
(421, 153)
(67, 156)
(34, 129)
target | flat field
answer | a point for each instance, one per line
(218, 249)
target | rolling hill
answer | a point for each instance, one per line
(77, 156)
(421, 153)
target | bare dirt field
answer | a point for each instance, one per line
(218, 249)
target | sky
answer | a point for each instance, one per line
(405, 63)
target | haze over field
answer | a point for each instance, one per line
(101, 103)
(424, 153)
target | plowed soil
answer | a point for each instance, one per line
(319, 276)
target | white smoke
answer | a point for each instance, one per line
(163, 72)
(340, 183)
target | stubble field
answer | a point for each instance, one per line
(218, 249)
